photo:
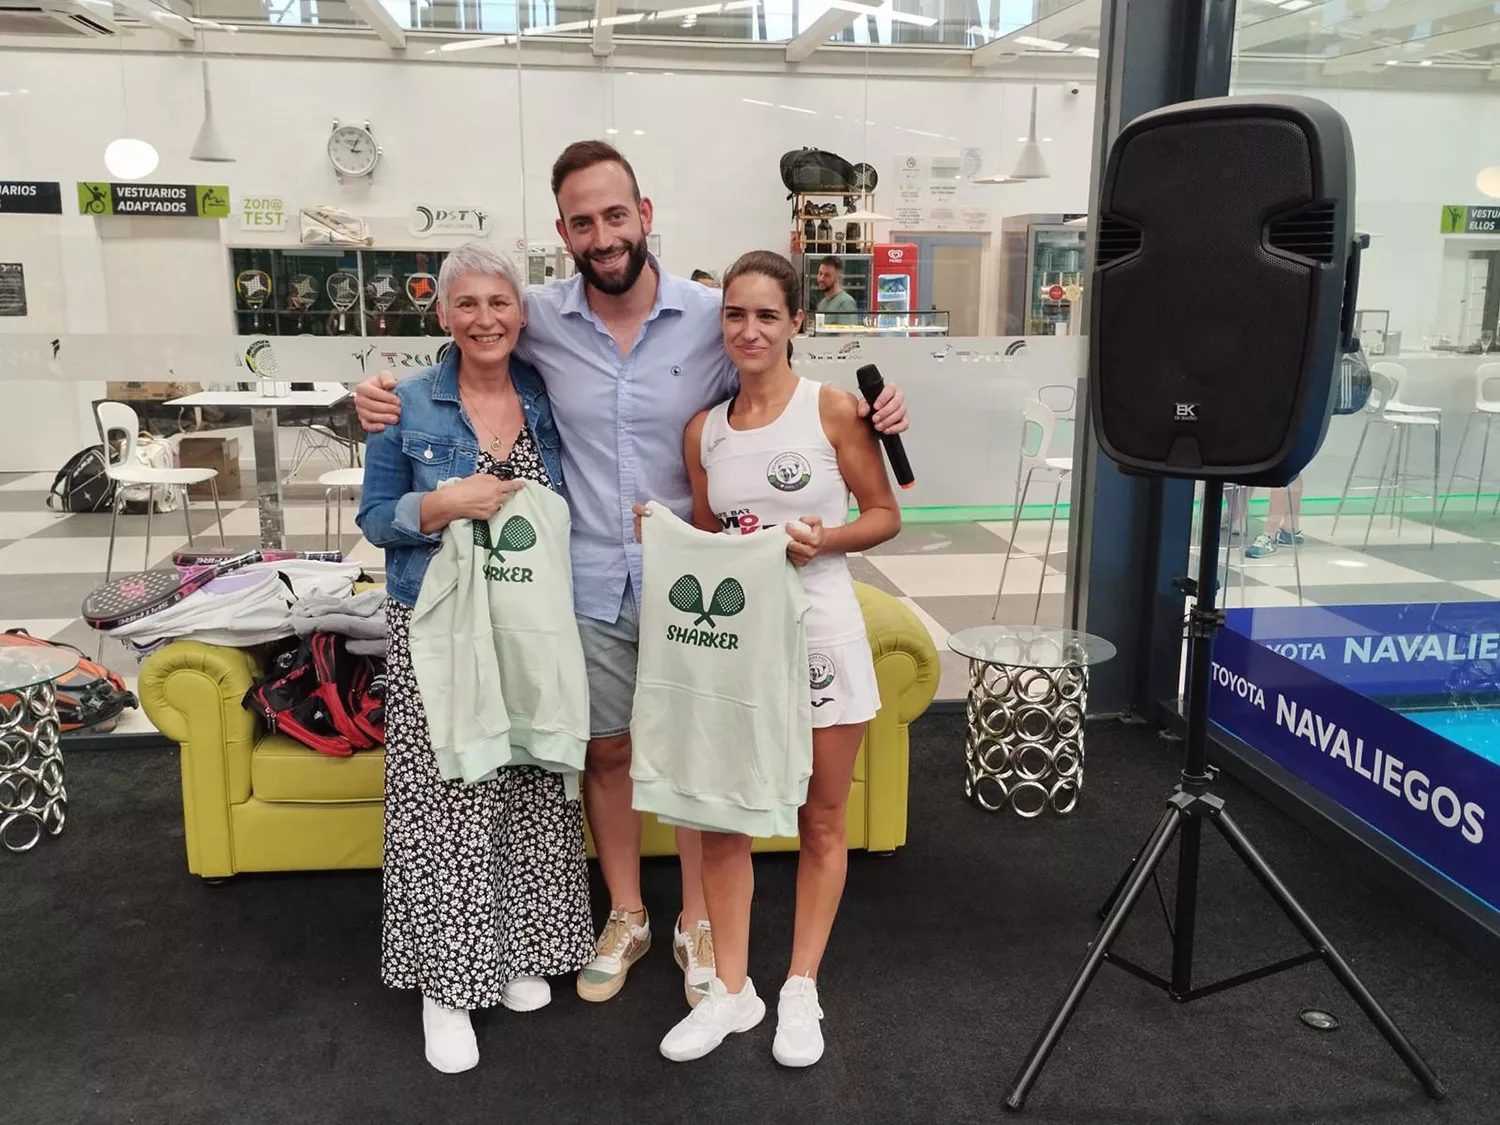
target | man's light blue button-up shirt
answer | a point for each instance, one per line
(621, 417)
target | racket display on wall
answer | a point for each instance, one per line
(421, 291)
(343, 292)
(254, 288)
(303, 296)
(383, 291)
(865, 177)
(140, 595)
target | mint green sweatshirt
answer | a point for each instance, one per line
(721, 735)
(495, 645)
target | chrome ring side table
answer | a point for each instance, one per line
(33, 801)
(1028, 688)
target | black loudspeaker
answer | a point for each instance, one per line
(1225, 267)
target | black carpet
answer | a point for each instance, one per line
(130, 992)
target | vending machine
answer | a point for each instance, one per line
(895, 277)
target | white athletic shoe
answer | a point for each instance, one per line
(799, 1034)
(526, 994)
(694, 952)
(451, 1046)
(717, 1016)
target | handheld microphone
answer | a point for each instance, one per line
(870, 385)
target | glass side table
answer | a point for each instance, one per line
(33, 801)
(1028, 686)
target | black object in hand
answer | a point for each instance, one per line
(870, 385)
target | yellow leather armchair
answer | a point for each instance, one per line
(257, 801)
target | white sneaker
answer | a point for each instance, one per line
(799, 1035)
(694, 952)
(526, 994)
(719, 1015)
(451, 1046)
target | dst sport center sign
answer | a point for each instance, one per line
(1425, 793)
(206, 201)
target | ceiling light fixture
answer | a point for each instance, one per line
(907, 17)
(129, 158)
(1041, 44)
(757, 101)
(1488, 181)
(639, 132)
(798, 109)
(982, 32)
(1087, 52)
(476, 44)
(1030, 165)
(700, 10)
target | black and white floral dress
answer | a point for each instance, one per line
(482, 883)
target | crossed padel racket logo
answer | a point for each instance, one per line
(686, 595)
(516, 534)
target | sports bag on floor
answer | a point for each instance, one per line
(89, 698)
(153, 453)
(81, 485)
(324, 696)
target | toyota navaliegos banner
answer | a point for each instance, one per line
(1428, 795)
(1407, 649)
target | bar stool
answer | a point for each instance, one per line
(335, 482)
(1485, 408)
(1386, 409)
(1040, 422)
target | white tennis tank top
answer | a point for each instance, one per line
(778, 473)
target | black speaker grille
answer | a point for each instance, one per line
(1117, 238)
(1307, 232)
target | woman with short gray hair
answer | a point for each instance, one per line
(485, 884)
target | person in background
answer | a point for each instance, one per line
(485, 886)
(776, 413)
(705, 279)
(629, 354)
(835, 298)
(1281, 522)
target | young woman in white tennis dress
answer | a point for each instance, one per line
(790, 451)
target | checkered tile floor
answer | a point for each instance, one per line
(948, 574)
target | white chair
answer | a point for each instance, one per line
(335, 482)
(117, 418)
(1487, 377)
(1039, 426)
(1386, 409)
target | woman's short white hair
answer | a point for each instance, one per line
(478, 258)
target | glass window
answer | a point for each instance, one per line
(1364, 658)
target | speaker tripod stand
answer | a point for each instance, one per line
(1190, 806)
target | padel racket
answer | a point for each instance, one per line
(383, 291)
(343, 291)
(254, 288)
(213, 558)
(140, 595)
(303, 296)
(261, 359)
(421, 291)
(728, 600)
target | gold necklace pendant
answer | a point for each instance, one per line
(495, 445)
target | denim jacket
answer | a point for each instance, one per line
(435, 440)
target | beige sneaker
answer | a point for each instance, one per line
(622, 944)
(694, 952)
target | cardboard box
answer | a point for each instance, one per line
(149, 392)
(218, 453)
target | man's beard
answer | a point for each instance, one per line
(635, 262)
